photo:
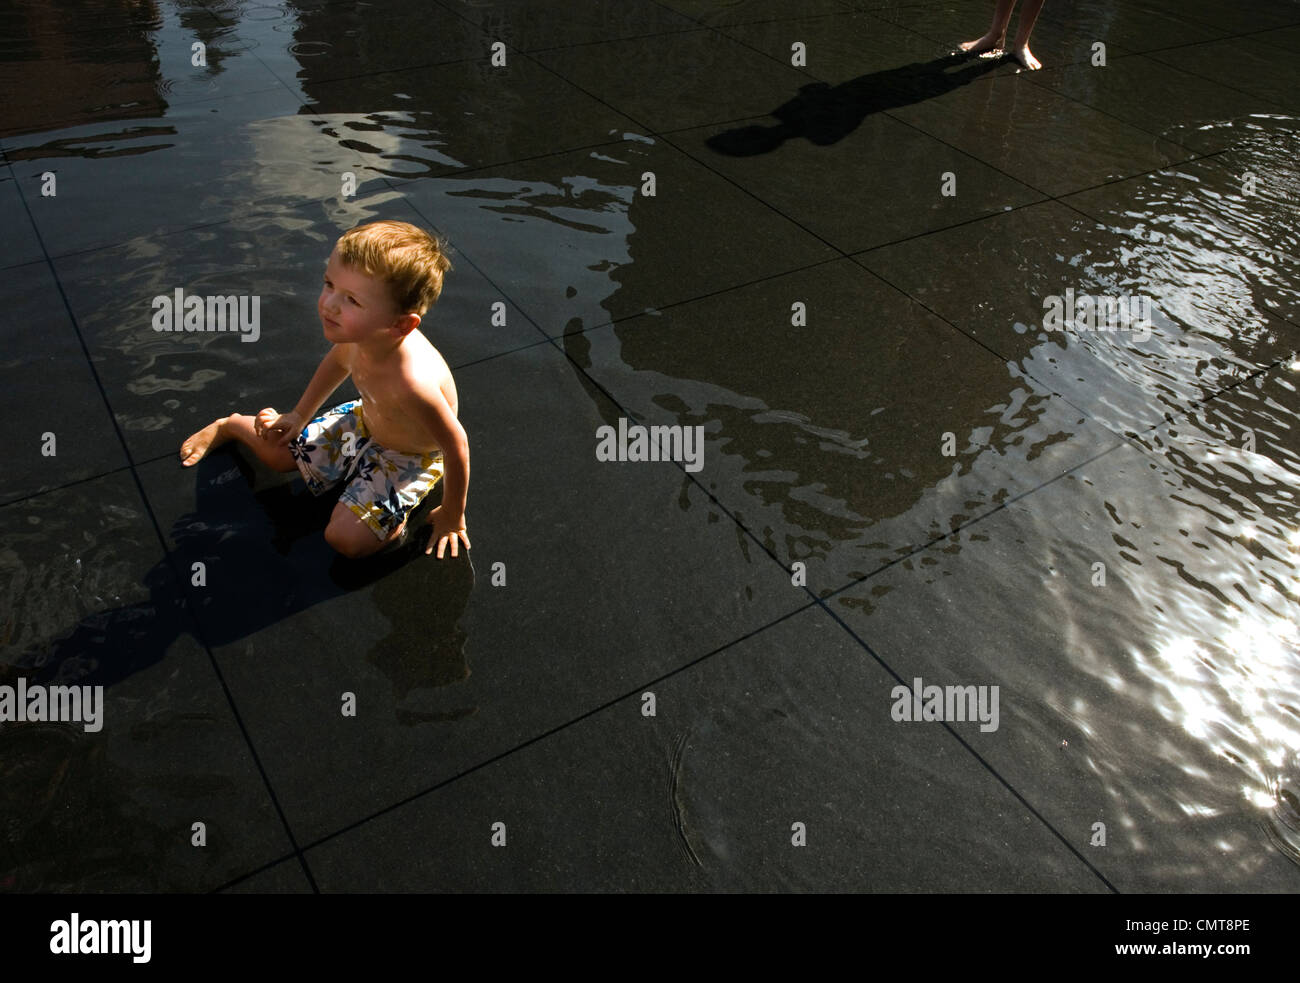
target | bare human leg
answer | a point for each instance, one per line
(235, 427)
(353, 538)
(997, 32)
(1020, 46)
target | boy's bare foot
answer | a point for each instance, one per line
(1026, 58)
(989, 42)
(196, 446)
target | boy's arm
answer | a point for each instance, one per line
(283, 428)
(329, 376)
(449, 517)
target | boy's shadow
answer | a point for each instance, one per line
(249, 559)
(825, 115)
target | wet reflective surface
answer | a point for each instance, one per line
(840, 270)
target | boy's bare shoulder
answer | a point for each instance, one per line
(343, 351)
(424, 370)
(421, 361)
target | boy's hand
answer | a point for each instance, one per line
(446, 528)
(280, 428)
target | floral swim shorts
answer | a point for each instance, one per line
(383, 485)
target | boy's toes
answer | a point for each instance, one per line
(197, 445)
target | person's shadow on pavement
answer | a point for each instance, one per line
(246, 559)
(824, 114)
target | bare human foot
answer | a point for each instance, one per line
(196, 446)
(1026, 58)
(988, 42)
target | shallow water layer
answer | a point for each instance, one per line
(1103, 523)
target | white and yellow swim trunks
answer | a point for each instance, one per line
(383, 485)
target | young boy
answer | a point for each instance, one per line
(393, 444)
(997, 33)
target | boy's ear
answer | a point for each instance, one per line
(406, 323)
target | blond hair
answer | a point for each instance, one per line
(409, 260)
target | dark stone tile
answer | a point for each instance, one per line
(573, 241)
(41, 19)
(165, 386)
(1240, 18)
(674, 81)
(1037, 136)
(446, 118)
(204, 162)
(1229, 221)
(1069, 30)
(714, 14)
(49, 389)
(443, 684)
(870, 55)
(273, 12)
(555, 23)
(704, 796)
(286, 877)
(879, 182)
(21, 246)
(1285, 37)
(89, 602)
(826, 440)
(1264, 70)
(97, 77)
(1138, 686)
(1158, 98)
(886, 177)
(895, 6)
(995, 281)
(312, 43)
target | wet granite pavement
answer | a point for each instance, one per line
(812, 235)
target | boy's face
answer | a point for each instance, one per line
(353, 306)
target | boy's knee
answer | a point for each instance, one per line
(348, 536)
